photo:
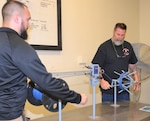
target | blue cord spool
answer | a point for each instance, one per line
(124, 75)
(37, 94)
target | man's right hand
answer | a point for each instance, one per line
(84, 99)
(104, 84)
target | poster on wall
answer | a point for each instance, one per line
(44, 32)
(2, 2)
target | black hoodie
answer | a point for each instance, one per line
(18, 60)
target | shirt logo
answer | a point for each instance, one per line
(125, 51)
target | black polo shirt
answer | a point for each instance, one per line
(106, 57)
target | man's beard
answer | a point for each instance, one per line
(118, 42)
(24, 35)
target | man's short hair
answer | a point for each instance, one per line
(121, 26)
(11, 6)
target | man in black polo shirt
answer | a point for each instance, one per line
(116, 54)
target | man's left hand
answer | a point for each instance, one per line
(137, 86)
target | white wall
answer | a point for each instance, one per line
(144, 21)
(145, 38)
(86, 24)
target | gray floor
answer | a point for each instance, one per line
(127, 111)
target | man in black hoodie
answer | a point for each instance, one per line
(18, 60)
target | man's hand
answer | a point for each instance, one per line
(137, 86)
(84, 99)
(104, 84)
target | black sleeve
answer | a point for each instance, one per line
(133, 58)
(27, 60)
(99, 57)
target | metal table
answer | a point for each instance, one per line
(127, 111)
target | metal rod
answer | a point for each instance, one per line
(94, 102)
(59, 107)
(115, 94)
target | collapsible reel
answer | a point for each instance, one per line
(30, 96)
(38, 97)
(124, 81)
